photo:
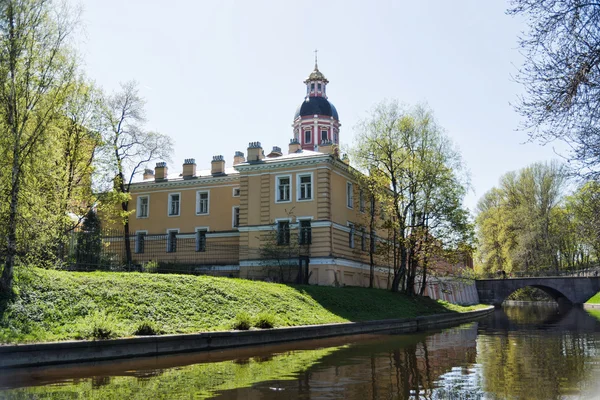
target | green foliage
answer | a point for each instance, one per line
(242, 321)
(100, 326)
(264, 320)
(150, 266)
(59, 305)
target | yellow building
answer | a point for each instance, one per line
(295, 216)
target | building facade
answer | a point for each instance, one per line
(298, 216)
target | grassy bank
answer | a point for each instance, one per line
(595, 299)
(58, 305)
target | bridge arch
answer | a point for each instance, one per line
(564, 290)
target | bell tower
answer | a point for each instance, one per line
(316, 122)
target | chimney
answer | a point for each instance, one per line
(238, 158)
(148, 174)
(294, 146)
(189, 168)
(255, 152)
(217, 166)
(160, 172)
(327, 147)
(276, 152)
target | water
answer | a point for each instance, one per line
(523, 352)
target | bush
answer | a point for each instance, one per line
(147, 328)
(264, 321)
(150, 266)
(242, 321)
(102, 327)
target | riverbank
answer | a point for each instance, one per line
(58, 305)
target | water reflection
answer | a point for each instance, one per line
(518, 352)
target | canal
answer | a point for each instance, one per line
(518, 352)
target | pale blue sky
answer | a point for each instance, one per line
(219, 74)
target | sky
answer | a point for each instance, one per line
(217, 75)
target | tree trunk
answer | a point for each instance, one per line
(128, 256)
(6, 280)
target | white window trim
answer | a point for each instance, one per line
(352, 230)
(176, 230)
(312, 186)
(311, 135)
(350, 194)
(233, 191)
(169, 205)
(277, 188)
(136, 240)
(137, 213)
(233, 217)
(198, 202)
(200, 228)
(299, 220)
(289, 221)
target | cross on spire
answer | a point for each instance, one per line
(316, 51)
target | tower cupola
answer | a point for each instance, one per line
(316, 121)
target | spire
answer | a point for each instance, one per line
(316, 65)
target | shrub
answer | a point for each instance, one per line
(264, 320)
(150, 266)
(242, 321)
(103, 327)
(147, 328)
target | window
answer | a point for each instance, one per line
(312, 86)
(363, 239)
(201, 239)
(351, 235)
(304, 187)
(349, 195)
(319, 87)
(305, 236)
(140, 237)
(172, 240)
(202, 202)
(236, 192)
(283, 232)
(283, 188)
(174, 200)
(361, 200)
(382, 212)
(236, 217)
(143, 205)
(335, 140)
(307, 136)
(324, 136)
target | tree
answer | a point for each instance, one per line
(127, 148)
(36, 68)
(561, 76)
(406, 154)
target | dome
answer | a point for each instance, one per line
(316, 106)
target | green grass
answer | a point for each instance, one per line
(58, 305)
(595, 299)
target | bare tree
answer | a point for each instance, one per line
(561, 75)
(127, 148)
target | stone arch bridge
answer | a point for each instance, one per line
(564, 290)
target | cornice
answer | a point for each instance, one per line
(185, 182)
(256, 166)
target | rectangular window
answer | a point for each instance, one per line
(324, 136)
(236, 217)
(361, 200)
(236, 192)
(201, 239)
(363, 239)
(307, 137)
(349, 194)
(172, 241)
(351, 236)
(283, 188)
(319, 87)
(283, 232)
(140, 238)
(305, 187)
(143, 205)
(174, 200)
(305, 235)
(202, 202)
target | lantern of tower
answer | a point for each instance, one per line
(316, 122)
